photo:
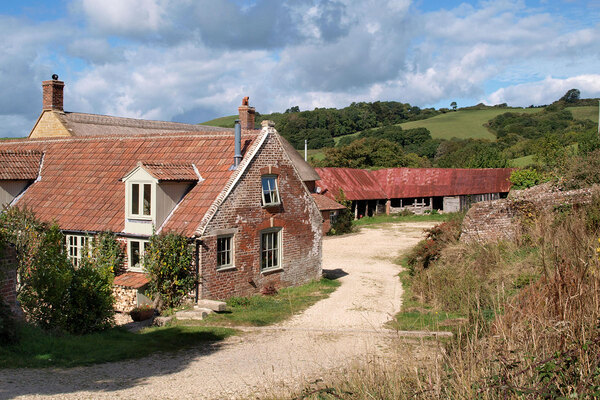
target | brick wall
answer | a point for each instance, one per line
(497, 220)
(8, 276)
(298, 217)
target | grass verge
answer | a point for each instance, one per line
(382, 219)
(38, 348)
(266, 310)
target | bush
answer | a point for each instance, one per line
(168, 260)
(526, 178)
(583, 171)
(436, 239)
(108, 253)
(343, 222)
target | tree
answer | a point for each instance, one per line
(571, 96)
(453, 105)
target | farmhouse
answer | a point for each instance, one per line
(240, 196)
(393, 190)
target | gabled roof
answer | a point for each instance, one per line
(357, 184)
(325, 203)
(82, 124)
(169, 171)
(81, 187)
(398, 183)
(19, 164)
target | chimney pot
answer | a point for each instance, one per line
(246, 114)
(52, 94)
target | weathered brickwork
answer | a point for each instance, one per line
(242, 214)
(497, 220)
(326, 221)
(8, 276)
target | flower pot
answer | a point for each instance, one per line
(141, 315)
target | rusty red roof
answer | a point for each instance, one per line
(397, 183)
(134, 280)
(19, 164)
(171, 171)
(357, 184)
(325, 203)
(401, 183)
(81, 188)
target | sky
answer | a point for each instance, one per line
(194, 60)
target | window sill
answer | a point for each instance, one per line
(139, 218)
(271, 271)
(273, 208)
(226, 268)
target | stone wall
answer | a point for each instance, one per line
(497, 220)
(8, 276)
(125, 298)
(242, 215)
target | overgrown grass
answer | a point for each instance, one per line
(38, 348)
(383, 219)
(266, 310)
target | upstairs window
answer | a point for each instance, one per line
(141, 200)
(78, 246)
(270, 194)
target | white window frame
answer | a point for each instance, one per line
(333, 215)
(142, 249)
(75, 246)
(277, 232)
(140, 201)
(270, 190)
(228, 251)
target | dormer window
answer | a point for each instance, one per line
(141, 200)
(270, 193)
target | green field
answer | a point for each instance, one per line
(587, 112)
(463, 124)
(223, 122)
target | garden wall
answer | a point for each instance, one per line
(8, 276)
(497, 220)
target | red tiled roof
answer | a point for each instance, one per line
(397, 183)
(325, 203)
(357, 184)
(171, 171)
(19, 164)
(134, 280)
(81, 187)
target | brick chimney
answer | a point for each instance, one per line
(246, 114)
(53, 94)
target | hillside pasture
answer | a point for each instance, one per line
(587, 112)
(223, 122)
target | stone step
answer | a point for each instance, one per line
(195, 314)
(218, 306)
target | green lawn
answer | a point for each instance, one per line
(266, 310)
(463, 124)
(223, 122)
(522, 161)
(382, 219)
(587, 112)
(38, 348)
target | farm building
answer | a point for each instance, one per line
(393, 190)
(240, 196)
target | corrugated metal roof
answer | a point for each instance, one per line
(357, 184)
(398, 183)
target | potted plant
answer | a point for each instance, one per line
(142, 313)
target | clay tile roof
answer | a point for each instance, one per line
(134, 280)
(325, 203)
(171, 171)
(19, 164)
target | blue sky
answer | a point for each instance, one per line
(193, 60)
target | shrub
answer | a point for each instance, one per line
(343, 222)
(168, 260)
(108, 253)
(436, 239)
(526, 178)
(583, 171)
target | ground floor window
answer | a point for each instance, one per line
(135, 252)
(78, 246)
(224, 251)
(333, 215)
(270, 249)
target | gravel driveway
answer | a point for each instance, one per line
(335, 331)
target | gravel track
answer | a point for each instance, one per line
(343, 328)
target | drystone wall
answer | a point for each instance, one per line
(499, 219)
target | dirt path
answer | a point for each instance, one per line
(346, 326)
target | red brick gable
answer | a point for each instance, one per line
(81, 188)
(19, 164)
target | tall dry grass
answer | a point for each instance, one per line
(533, 326)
